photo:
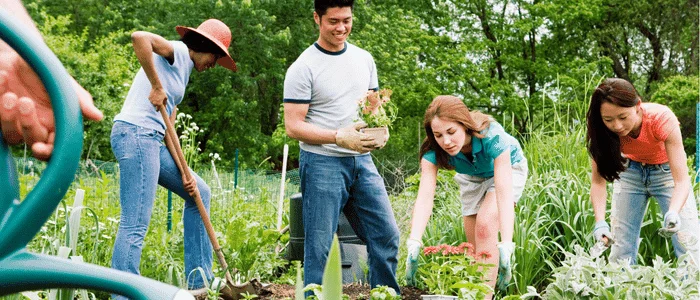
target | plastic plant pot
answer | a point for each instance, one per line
(379, 134)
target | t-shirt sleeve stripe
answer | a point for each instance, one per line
(299, 101)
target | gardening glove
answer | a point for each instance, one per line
(672, 223)
(600, 230)
(351, 138)
(505, 257)
(413, 247)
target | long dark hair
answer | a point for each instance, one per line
(604, 145)
(321, 6)
(198, 43)
(450, 108)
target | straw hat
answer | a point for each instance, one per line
(217, 32)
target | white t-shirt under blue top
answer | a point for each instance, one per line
(137, 109)
(331, 83)
(484, 152)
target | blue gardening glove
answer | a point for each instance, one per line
(600, 230)
(505, 258)
(412, 260)
(672, 223)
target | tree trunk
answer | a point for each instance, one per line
(657, 52)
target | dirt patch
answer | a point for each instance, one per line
(354, 290)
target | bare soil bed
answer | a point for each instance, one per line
(354, 290)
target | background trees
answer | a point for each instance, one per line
(513, 59)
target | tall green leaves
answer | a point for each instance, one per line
(332, 274)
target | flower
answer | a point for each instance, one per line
(447, 250)
(484, 255)
(376, 110)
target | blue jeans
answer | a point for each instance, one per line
(351, 184)
(145, 163)
(630, 196)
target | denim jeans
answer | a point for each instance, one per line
(351, 184)
(631, 193)
(144, 163)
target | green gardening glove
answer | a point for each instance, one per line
(505, 258)
(412, 260)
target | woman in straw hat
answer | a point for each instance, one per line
(137, 141)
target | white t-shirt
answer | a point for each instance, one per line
(331, 83)
(137, 109)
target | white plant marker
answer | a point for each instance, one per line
(280, 204)
(64, 252)
(218, 181)
(74, 222)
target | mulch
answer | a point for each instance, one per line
(354, 290)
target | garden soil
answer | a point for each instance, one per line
(354, 290)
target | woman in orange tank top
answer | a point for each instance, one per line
(638, 147)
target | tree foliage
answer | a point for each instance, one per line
(512, 59)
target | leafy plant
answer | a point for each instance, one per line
(383, 292)
(454, 270)
(584, 277)
(377, 110)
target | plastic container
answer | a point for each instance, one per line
(379, 134)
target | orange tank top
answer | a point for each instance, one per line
(658, 121)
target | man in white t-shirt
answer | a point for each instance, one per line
(321, 90)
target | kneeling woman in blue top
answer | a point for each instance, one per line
(491, 172)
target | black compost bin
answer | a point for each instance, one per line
(351, 247)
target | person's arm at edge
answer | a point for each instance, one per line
(16, 9)
(423, 208)
(503, 181)
(677, 160)
(598, 193)
(32, 107)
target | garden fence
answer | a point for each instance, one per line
(221, 181)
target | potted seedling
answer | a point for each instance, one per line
(377, 110)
